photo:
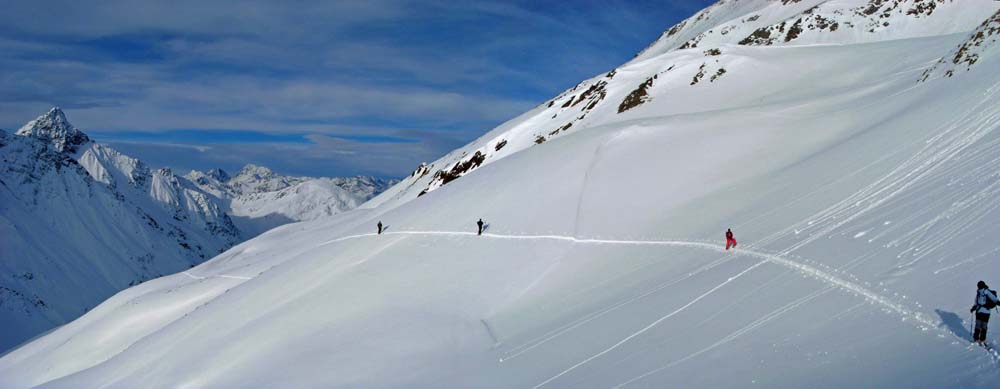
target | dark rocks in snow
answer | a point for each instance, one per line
(443, 177)
(884, 8)
(676, 28)
(809, 21)
(821, 23)
(794, 31)
(561, 128)
(594, 90)
(421, 171)
(693, 42)
(922, 8)
(760, 37)
(967, 54)
(718, 74)
(15, 300)
(637, 96)
(698, 76)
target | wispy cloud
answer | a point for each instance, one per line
(338, 74)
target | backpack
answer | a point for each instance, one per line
(990, 304)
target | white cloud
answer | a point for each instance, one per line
(440, 71)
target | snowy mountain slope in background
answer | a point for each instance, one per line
(862, 198)
(69, 242)
(259, 199)
(706, 50)
(83, 221)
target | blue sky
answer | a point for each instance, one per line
(322, 88)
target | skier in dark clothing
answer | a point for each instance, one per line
(480, 224)
(729, 239)
(380, 227)
(985, 300)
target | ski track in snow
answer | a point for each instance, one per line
(555, 333)
(235, 277)
(952, 140)
(834, 281)
(192, 276)
(808, 270)
(735, 334)
(651, 325)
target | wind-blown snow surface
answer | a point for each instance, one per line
(863, 201)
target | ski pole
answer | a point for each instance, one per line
(972, 323)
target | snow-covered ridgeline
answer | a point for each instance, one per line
(82, 220)
(703, 49)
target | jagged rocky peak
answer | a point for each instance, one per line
(53, 127)
(258, 179)
(255, 172)
(209, 177)
(165, 171)
(218, 174)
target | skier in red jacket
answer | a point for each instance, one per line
(729, 239)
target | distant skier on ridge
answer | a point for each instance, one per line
(729, 239)
(380, 227)
(986, 300)
(480, 224)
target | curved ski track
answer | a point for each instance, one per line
(829, 278)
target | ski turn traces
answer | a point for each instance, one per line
(819, 274)
(832, 280)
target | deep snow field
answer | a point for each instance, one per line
(865, 204)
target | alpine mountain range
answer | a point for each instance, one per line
(81, 221)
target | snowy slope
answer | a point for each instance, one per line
(710, 48)
(863, 200)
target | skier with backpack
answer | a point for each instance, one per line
(380, 227)
(730, 240)
(986, 300)
(480, 224)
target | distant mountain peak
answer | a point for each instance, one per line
(53, 128)
(255, 171)
(218, 174)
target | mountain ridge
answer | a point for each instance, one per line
(118, 222)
